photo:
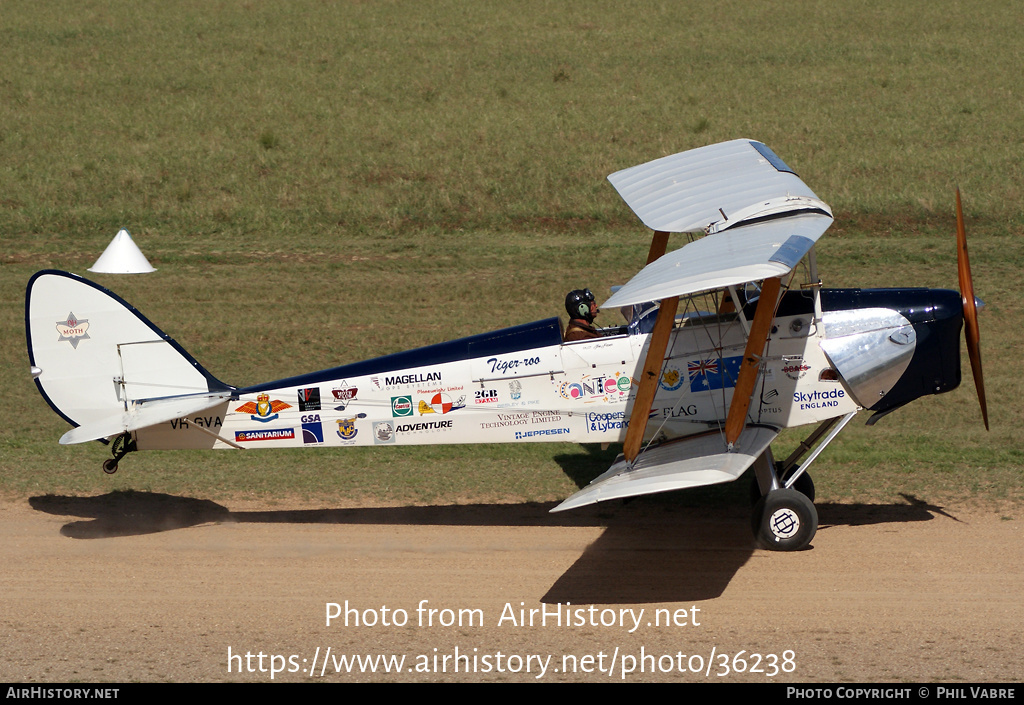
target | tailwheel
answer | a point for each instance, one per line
(119, 447)
(784, 520)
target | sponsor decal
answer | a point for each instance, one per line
(485, 396)
(266, 434)
(441, 404)
(401, 406)
(435, 390)
(422, 426)
(312, 429)
(383, 432)
(415, 378)
(600, 388)
(544, 417)
(794, 367)
(677, 412)
(309, 399)
(796, 370)
(672, 379)
(598, 422)
(541, 432)
(515, 388)
(769, 399)
(73, 329)
(344, 395)
(715, 373)
(818, 399)
(505, 420)
(347, 430)
(517, 365)
(204, 421)
(263, 409)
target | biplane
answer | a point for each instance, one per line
(726, 341)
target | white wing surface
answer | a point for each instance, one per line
(768, 248)
(688, 462)
(720, 184)
(760, 219)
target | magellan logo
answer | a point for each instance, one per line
(418, 378)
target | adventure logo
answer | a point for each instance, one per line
(383, 432)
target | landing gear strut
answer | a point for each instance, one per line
(122, 446)
(784, 517)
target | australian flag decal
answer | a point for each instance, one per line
(716, 373)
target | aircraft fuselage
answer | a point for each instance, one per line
(875, 349)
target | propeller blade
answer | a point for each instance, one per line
(971, 329)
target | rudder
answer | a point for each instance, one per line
(92, 353)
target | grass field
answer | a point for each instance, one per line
(318, 183)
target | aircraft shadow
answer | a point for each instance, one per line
(666, 548)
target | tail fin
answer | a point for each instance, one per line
(94, 357)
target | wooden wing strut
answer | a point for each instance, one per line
(659, 243)
(649, 377)
(760, 329)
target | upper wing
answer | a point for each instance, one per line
(719, 184)
(759, 216)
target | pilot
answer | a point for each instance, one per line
(581, 308)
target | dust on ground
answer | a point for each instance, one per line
(148, 587)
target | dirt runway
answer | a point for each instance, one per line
(144, 587)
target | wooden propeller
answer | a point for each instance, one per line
(970, 308)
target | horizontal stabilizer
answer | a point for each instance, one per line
(143, 414)
(688, 462)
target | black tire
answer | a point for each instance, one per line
(805, 486)
(110, 466)
(784, 520)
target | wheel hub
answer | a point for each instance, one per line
(784, 523)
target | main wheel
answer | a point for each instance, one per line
(110, 466)
(805, 486)
(784, 520)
